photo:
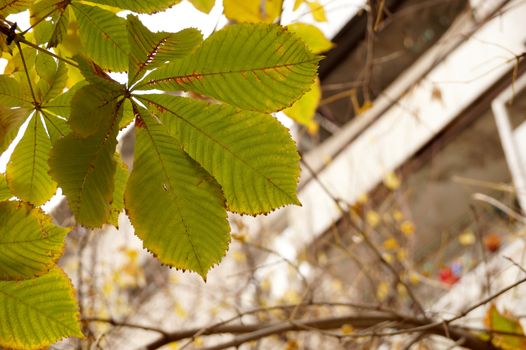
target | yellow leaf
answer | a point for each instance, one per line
(398, 215)
(292, 297)
(239, 256)
(312, 36)
(505, 322)
(107, 289)
(373, 219)
(180, 310)
(252, 11)
(346, 329)
(265, 284)
(337, 285)
(292, 345)
(132, 254)
(407, 228)
(317, 11)
(388, 257)
(391, 244)
(414, 278)
(198, 342)
(239, 237)
(174, 279)
(304, 109)
(203, 5)
(363, 198)
(214, 310)
(322, 259)
(391, 181)
(297, 4)
(364, 107)
(401, 254)
(382, 291)
(402, 291)
(313, 128)
(467, 237)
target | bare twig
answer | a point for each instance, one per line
(404, 324)
(367, 241)
(515, 263)
(499, 205)
(116, 323)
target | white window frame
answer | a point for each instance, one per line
(508, 137)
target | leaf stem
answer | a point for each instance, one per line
(35, 102)
(19, 38)
(38, 22)
(38, 48)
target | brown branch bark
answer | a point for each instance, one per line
(250, 332)
(400, 324)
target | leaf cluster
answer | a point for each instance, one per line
(205, 141)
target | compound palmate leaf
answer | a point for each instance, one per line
(30, 243)
(250, 154)
(36, 313)
(252, 66)
(175, 206)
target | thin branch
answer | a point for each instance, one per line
(213, 329)
(404, 325)
(116, 323)
(356, 322)
(51, 53)
(492, 331)
(370, 51)
(367, 241)
(415, 340)
(515, 263)
(483, 253)
(499, 205)
(44, 114)
(486, 300)
(286, 260)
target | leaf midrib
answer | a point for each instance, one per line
(175, 197)
(194, 74)
(150, 54)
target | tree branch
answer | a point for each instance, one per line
(403, 324)
(252, 332)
